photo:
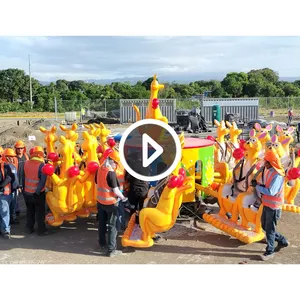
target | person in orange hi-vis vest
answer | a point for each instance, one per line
(6, 176)
(10, 157)
(34, 191)
(21, 157)
(272, 197)
(108, 197)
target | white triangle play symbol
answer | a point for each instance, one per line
(146, 139)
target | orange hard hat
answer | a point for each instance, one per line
(37, 151)
(110, 153)
(274, 160)
(9, 152)
(19, 144)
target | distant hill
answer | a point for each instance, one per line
(180, 78)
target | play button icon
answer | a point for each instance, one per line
(150, 150)
(147, 140)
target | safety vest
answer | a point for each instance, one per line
(7, 188)
(105, 194)
(275, 201)
(120, 172)
(16, 160)
(31, 170)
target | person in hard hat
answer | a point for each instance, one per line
(272, 197)
(108, 198)
(34, 191)
(22, 156)
(10, 157)
(5, 196)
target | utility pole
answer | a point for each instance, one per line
(55, 104)
(30, 88)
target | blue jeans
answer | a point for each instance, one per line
(13, 205)
(5, 201)
(269, 220)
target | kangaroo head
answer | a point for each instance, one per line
(285, 136)
(263, 134)
(221, 129)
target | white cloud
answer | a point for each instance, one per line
(114, 57)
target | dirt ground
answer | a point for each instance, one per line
(185, 243)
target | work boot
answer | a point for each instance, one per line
(267, 256)
(103, 248)
(6, 236)
(114, 253)
(280, 246)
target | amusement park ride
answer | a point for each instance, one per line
(213, 166)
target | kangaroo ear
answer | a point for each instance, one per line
(278, 128)
(53, 129)
(252, 133)
(74, 126)
(269, 127)
(291, 129)
(228, 124)
(86, 126)
(62, 127)
(217, 123)
(257, 126)
(85, 135)
(274, 138)
(234, 125)
(43, 129)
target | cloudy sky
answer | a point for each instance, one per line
(85, 58)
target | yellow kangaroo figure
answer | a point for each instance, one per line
(67, 195)
(89, 145)
(72, 135)
(50, 138)
(152, 112)
(242, 176)
(264, 137)
(103, 134)
(234, 133)
(220, 154)
(158, 219)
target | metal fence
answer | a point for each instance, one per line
(246, 108)
(127, 113)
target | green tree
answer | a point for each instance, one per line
(234, 83)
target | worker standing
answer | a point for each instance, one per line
(108, 197)
(5, 196)
(22, 156)
(34, 191)
(290, 116)
(272, 196)
(10, 157)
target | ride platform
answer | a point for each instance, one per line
(245, 235)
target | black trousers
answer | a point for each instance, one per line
(108, 216)
(35, 211)
(137, 198)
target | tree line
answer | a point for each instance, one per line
(72, 95)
